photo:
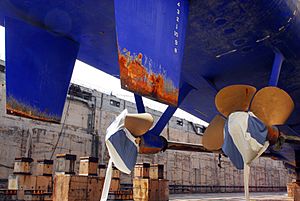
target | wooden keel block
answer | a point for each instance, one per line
(150, 189)
(156, 171)
(145, 189)
(293, 190)
(12, 182)
(44, 183)
(95, 186)
(74, 187)
(120, 195)
(22, 165)
(141, 170)
(44, 167)
(88, 166)
(21, 182)
(163, 190)
(114, 185)
(101, 170)
(116, 173)
(65, 164)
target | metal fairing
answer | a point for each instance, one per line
(227, 42)
(150, 38)
(37, 78)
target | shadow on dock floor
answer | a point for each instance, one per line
(262, 196)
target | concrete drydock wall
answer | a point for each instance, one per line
(82, 132)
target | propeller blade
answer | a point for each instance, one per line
(138, 124)
(272, 105)
(234, 98)
(213, 137)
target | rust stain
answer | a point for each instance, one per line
(17, 108)
(135, 77)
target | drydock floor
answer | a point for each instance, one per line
(272, 196)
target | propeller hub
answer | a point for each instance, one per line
(273, 134)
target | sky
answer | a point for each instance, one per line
(88, 76)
